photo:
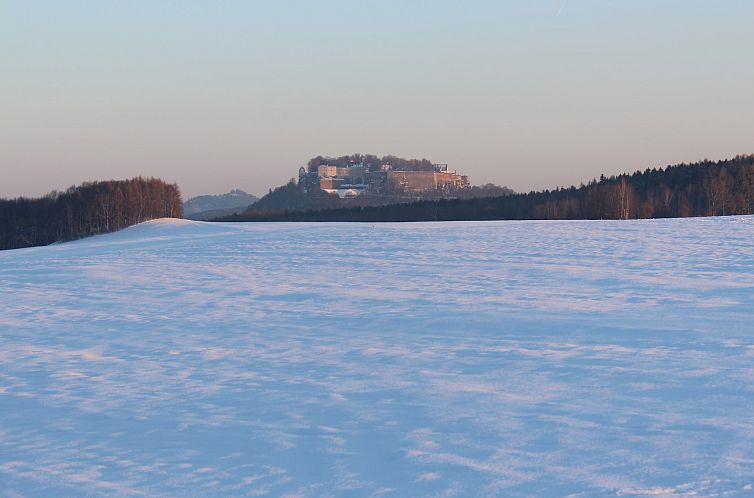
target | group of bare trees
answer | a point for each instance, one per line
(706, 188)
(730, 192)
(91, 208)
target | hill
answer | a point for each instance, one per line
(546, 358)
(204, 207)
(360, 180)
(706, 188)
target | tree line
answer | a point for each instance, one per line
(706, 188)
(373, 162)
(88, 209)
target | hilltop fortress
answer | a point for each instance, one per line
(360, 180)
(357, 178)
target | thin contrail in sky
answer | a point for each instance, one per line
(562, 6)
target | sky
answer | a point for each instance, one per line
(215, 95)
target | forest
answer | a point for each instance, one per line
(88, 209)
(705, 188)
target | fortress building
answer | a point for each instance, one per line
(357, 179)
(425, 181)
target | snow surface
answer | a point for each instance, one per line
(443, 359)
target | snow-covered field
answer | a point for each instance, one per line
(450, 359)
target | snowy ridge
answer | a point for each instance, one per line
(180, 358)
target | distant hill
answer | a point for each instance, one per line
(210, 206)
(291, 198)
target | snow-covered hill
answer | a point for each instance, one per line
(180, 358)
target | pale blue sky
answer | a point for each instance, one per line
(216, 95)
